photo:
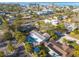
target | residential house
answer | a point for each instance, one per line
(59, 49)
(54, 22)
(70, 26)
(52, 53)
(45, 12)
(37, 37)
(47, 21)
(26, 28)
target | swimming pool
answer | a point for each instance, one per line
(30, 39)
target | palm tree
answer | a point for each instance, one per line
(7, 36)
(76, 53)
(42, 53)
(65, 40)
(10, 47)
(28, 47)
(20, 37)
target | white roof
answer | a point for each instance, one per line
(47, 21)
(51, 52)
(38, 37)
(54, 21)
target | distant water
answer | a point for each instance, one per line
(55, 3)
(45, 3)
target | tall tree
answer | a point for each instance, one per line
(7, 36)
(76, 53)
(28, 47)
(20, 37)
(10, 47)
(42, 53)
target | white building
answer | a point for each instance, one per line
(70, 26)
(47, 21)
(53, 21)
(53, 53)
(44, 11)
(38, 37)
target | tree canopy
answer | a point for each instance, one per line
(20, 37)
(7, 36)
(28, 47)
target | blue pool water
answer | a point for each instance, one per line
(36, 49)
(30, 39)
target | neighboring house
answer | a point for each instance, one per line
(54, 22)
(70, 26)
(26, 28)
(47, 21)
(46, 35)
(69, 20)
(52, 52)
(58, 50)
(37, 37)
(45, 12)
